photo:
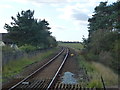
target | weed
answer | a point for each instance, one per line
(108, 75)
(95, 70)
(94, 84)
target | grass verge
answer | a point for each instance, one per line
(94, 71)
(13, 68)
(110, 78)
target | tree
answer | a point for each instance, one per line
(26, 30)
(104, 33)
(103, 26)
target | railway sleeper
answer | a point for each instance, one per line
(62, 86)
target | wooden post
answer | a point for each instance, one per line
(103, 82)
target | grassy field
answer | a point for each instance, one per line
(17, 66)
(94, 70)
(76, 46)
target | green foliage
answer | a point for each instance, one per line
(76, 46)
(102, 27)
(91, 72)
(104, 38)
(52, 41)
(7, 49)
(91, 57)
(85, 64)
(95, 84)
(28, 48)
(25, 29)
(13, 68)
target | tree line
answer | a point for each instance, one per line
(103, 42)
(25, 30)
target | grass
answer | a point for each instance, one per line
(95, 70)
(13, 68)
(91, 72)
(76, 46)
(108, 75)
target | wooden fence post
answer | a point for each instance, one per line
(103, 82)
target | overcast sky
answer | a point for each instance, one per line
(67, 18)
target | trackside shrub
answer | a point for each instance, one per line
(7, 49)
(91, 57)
(27, 48)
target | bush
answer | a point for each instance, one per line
(7, 49)
(105, 57)
(91, 57)
(83, 51)
(28, 48)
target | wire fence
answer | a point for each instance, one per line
(17, 55)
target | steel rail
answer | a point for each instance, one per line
(37, 70)
(56, 74)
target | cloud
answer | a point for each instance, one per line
(6, 6)
(78, 15)
(55, 5)
(49, 1)
(58, 27)
(77, 11)
(66, 12)
(21, 1)
(63, 1)
(37, 4)
(90, 2)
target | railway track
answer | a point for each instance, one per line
(38, 79)
(46, 77)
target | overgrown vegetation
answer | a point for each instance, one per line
(13, 68)
(103, 43)
(28, 48)
(7, 49)
(95, 71)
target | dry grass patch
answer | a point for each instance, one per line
(108, 75)
(95, 70)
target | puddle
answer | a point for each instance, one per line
(68, 78)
